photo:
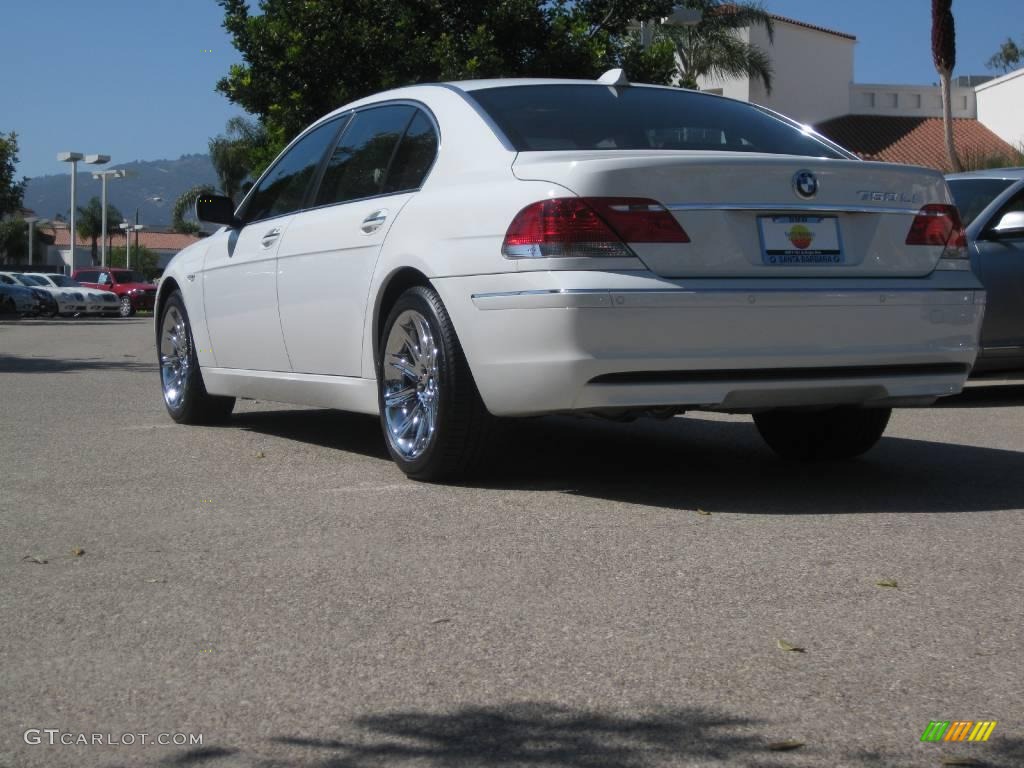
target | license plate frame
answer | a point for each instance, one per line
(782, 235)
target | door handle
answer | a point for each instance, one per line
(270, 237)
(374, 221)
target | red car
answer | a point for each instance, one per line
(131, 287)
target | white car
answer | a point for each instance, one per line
(445, 254)
(91, 301)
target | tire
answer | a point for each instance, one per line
(449, 424)
(181, 380)
(127, 310)
(832, 435)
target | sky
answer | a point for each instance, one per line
(135, 79)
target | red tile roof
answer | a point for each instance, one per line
(815, 27)
(914, 140)
(728, 8)
(156, 241)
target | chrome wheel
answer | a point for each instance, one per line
(126, 307)
(175, 356)
(410, 384)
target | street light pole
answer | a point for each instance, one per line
(103, 176)
(73, 158)
(31, 220)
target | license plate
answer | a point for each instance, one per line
(800, 240)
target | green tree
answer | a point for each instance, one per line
(233, 153)
(12, 192)
(1008, 57)
(944, 55)
(90, 222)
(143, 260)
(185, 204)
(714, 48)
(302, 60)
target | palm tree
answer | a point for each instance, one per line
(90, 222)
(231, 153)
(186, 202)
(944, 55)
(713, 47)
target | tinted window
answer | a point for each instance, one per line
(125, 276)
(972, 196)
(7, 280)
(593, 117)
(415, 155)
(360, 161)
(87, 277)
(283, 189)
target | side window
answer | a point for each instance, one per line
(360, 160)
(415, 155)
(6, 280)
(103, 278)
(283, 189)
(86, 277)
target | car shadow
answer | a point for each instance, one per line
(18, 364)
(694, 463)
(986, 396)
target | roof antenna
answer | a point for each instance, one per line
(614, 78)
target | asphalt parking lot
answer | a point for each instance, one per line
(611, 595)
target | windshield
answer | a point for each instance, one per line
(588, 117)
(64, 281)
(128, 276)
(29, 280)
(973, 196)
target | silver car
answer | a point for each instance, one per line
(991, 205)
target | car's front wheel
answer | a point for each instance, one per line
(127, 310)
(434, 421)
(830, 435)
(181, 380)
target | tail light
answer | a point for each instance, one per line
(937, 224)
(589, 227)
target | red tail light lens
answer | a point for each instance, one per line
(937, 224)
(589, 227)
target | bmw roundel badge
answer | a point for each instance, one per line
(805, 183)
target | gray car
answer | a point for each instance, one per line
(991, 205)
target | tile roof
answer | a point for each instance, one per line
(914, 140)
(815, 27)
(156, 241)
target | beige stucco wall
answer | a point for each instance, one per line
(1001, 107)
(813, 72)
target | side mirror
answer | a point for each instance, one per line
(216, 209)
(1011, 225)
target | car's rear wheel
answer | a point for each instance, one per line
(831, 435)
(127, 310)
(434, 421)
(181, 380)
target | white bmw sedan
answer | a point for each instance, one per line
(442, 255)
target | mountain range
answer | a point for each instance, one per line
(152, 186)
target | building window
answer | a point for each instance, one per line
(917, 101)
(891, 100)
(869, 99)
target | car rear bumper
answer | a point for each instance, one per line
(590, 341)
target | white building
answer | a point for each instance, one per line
(813, 83)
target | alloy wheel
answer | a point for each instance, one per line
(126, 307)
(175, 357)
(411, 389)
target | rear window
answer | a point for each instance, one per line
(593, 117)
(972, 196)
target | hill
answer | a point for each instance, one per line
(164, 179)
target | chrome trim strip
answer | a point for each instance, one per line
(769, 208)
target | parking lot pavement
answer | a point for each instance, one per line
(610, 595)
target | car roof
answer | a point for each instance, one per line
(989, 173)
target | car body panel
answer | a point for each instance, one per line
(999, 263)
(538, 332)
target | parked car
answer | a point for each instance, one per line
(92, 302)
(991, 205)
(15, 298)
(134, 292)
(46, 302)
(444, 254)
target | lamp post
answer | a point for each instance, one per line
(73, 158)
(103, 176)
(31, 221)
